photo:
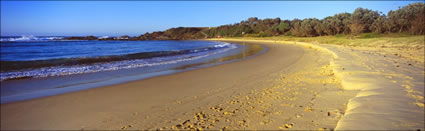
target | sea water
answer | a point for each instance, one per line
(34, 67)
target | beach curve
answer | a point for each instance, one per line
(167, 101)
(294, 85)
(391, 89)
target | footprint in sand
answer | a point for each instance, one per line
(266, 122)
(216, 108)
(308, 109)
(298, 115)
(125, 127)
(287, 126)
(325, 129)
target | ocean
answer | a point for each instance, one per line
(33, 67)
(42, 57)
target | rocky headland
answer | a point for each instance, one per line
(180, 33)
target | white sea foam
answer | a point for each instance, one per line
(29, 38)
(222, 45)
(125, 64)
(104, 37)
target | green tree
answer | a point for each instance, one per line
(296, 28)
(403, 18)
(308, 27)
(283, 27)
(341, 22)
(379, 25)
(362, 19)
(418, 24)
(327, 26)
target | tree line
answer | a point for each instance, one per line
(410, 19)
(407, 19)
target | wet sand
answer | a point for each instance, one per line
(288, 87)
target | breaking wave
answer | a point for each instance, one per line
(24, 38)
(68, 66)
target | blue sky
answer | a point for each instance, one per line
(78, 18)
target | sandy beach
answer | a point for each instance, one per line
(389, 78)
(291, 86)
(212, 65)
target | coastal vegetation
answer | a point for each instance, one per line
(409, 20)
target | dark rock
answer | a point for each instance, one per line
(180, 33)
(81, 38)
(125, 37)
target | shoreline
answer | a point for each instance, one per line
(144, 53)
(297, 86)
(247, 94)
(56, 85)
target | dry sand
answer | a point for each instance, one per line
(390, 81)
(288, 87)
